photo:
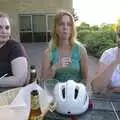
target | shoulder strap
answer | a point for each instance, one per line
(76, 51)
(52, 55)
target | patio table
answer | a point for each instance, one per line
(102, 109)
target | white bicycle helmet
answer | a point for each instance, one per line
(71, 98)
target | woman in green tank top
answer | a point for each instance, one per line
(65, 58)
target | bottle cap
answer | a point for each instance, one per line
(32, 67)
(34, 92)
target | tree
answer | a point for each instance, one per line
(94, 28)
(84, 26)
(76, 18)
(106, 27)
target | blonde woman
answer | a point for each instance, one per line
(65, 58)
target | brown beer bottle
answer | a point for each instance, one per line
(35, 111)
(33, 74)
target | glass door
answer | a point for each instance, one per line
(26, 28)
(50, 20)
(39, 28)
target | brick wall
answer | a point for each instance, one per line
(16, 7)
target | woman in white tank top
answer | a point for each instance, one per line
(107, 75)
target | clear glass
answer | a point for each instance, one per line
(66, 55)
(49, 86)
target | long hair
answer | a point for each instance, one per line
(2, 14)
(118, 30)
(54, 42)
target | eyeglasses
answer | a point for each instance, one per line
(7, 27)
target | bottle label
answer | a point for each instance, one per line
(52, 106)
(35, 102)
(34, 71)
(37, 118)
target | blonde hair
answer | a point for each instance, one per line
(5, 15)
(118, 30)
(2, 14)
(54, 42)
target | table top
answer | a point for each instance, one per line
(102, 109)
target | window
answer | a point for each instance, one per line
(25, 23)
(50, 22)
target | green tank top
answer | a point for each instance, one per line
(73, 70)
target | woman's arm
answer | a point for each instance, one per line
(98, 82)
(19, 69)
(108, 63)
(115, 90)
(84, 62)
(103, 76)
(47, 70)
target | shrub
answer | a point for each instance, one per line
(97, 42)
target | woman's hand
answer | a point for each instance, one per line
(65, 61)
(115, 90)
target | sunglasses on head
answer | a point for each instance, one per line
(7, 27)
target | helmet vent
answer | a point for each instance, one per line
(76, 93)
(69, 112)
(63, 93)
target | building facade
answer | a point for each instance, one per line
(31, 20)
